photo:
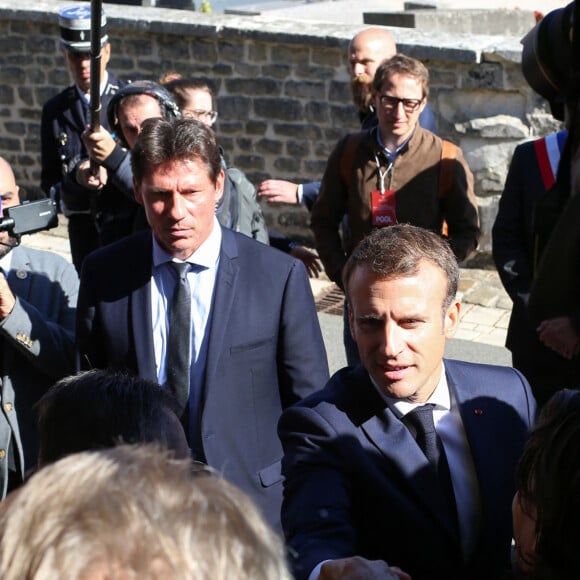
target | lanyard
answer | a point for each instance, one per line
(383, 174)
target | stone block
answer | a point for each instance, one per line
(6, 95)
(26, 95)
(253, 86)
(230, 127)
(222, 69)
(244, 144)
(234, 107)
(247, 70)
(256, 127)
(484, 76)
(288, 164)
(327, 58)
(305, 131)
(298, 148)
(339, 92)
(203, 51)
(315, 168)
(10, 143)
(461, 105)
(305, 89)
(343, 115)
(15, 128)
(168, 48)
(317, 112)
(303, 71)
(257, 52)
(278, 109)
(269, 146)
(247, 162)
(276, 71)
(296, 55)
(138, 47)
(496, 127)
(231, 51)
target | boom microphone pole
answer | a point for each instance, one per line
(95, 87)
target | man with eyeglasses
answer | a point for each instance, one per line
(392, 173)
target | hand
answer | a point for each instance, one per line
(85, 177)
(100, 144)
(560, 335)
(7, 299)
(309, 258)
(357, 568)
(277, 190)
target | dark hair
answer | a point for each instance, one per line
(402, 65)
(396, 251)
(179, 89)
(167, 105)
(99, 408)
(161, 141)
(548, 477)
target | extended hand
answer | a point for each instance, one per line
(357, 568)
(277, 190)
(560, 335)
(7, 300)
(85, 177)
(309, 259)
(100, 144)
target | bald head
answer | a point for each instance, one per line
(368, 49)
(8, 187)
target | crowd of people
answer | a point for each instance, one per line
(171, 415)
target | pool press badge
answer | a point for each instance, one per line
(383, 202)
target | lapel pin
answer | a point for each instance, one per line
(478, 411)
(21, 274)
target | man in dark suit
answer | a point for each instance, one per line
(98, 212)
(255, 346)
(546, 352)
(407, 459)
(38, 295)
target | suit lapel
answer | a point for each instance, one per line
(224, 293)
(141, 312)
(405, 463)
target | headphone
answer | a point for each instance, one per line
(169, 108)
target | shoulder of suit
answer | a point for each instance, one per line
(61, 99)
(38, 260)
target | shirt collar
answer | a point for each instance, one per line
(440, 398)
(206, 255)
(392, 155)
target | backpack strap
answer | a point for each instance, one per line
(446, 174)
(351, 144)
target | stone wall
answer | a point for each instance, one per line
(282, 86)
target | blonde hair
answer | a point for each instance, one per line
(134, 512)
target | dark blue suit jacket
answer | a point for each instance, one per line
(265, 349)
(358, 484)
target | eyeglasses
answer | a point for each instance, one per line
(201, 115)
(389, 103)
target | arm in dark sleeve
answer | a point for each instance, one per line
(310, 192)
(427, 119)
(510, 244)
(317, 504)
(302, 360)
(118, 166)
(327, 214)
(461, 211)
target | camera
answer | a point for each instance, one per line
(29, 217)
(550, 64)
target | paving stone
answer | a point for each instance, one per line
(485, 316)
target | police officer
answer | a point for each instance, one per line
(98, 213)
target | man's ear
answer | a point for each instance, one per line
(451, 320)
(351, 324)
(137, 192)
(219, 186)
